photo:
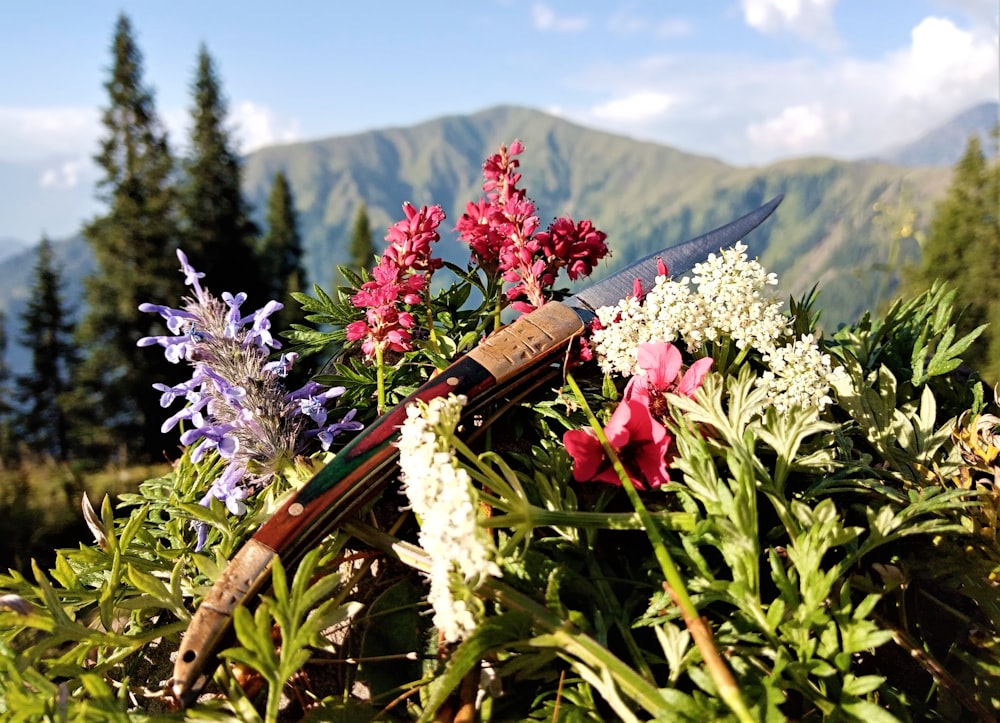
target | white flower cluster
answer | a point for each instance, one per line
(441, 494)
(728, 295)
(799, 375)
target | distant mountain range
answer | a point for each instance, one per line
(11, 247)
(944, 145)
(644, 195)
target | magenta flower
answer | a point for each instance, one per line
(640, 441)
(502, 233)
(399, 278)
(384, 327)
(661, 363)
(410, 239)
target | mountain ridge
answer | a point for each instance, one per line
(945, 144)
(645, 195)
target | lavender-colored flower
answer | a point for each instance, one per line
(178, 348)
(228, 489)
(190, 275)
(260, 333)
(237, 405)
(176, 319)
(213, 436)
(327, 433)
(196, 402)
(230, 492)
(281, 366)
(233, 320)
(169, 394)
(313, 408)
(312, 403)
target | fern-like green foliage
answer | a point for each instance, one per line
(842, 559)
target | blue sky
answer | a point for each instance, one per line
(748, 81)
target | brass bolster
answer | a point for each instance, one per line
(524, 341)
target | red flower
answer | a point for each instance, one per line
(640, 441)
(578, 247)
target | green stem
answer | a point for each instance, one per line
(538, 517)
(497, 313)
(557, 633)
(380, 378)
(432, 335)
(702, 634)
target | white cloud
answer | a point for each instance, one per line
(545, 18)
(983, 14)
(31, 134)
(748, 109)
(809, 19)
(640, 107)
(258, 126)
(799, 128)
(942, 61)
(851, 108)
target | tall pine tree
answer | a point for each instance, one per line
(281, 253)
(362, 246)
(6, 408)
(47, 334)
(134, 245)
(219, 237)
(963, 248)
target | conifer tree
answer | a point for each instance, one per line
(362, 246)
(6, 408)
(963, 248)
(47, 334)
(134, 245)
(281, 253)
(218, 237)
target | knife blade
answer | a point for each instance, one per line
(501, 362)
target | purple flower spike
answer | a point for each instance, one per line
(237, 405)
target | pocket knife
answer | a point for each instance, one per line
(504, 362)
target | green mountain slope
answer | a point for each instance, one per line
(644, 195)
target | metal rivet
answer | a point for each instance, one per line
(452, 381)
(295, 509)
